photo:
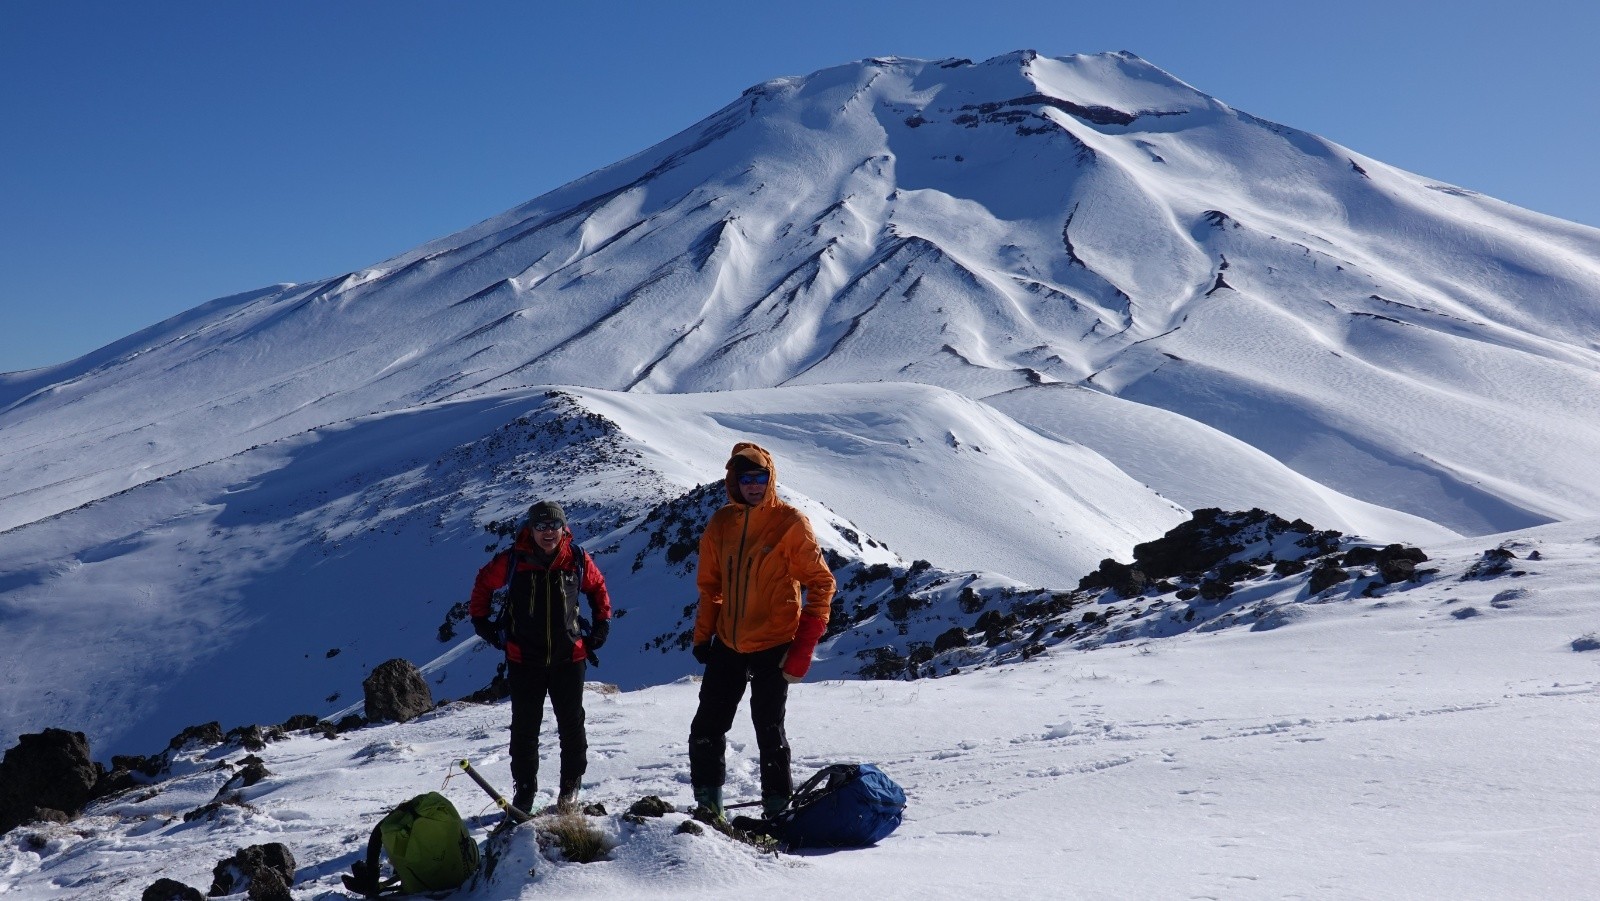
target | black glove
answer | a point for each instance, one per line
(702, 653)
(488, 631)
(596, 638)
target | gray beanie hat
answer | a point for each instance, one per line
(546, 510)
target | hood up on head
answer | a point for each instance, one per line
(747, 456)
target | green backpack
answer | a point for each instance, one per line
(428, 845)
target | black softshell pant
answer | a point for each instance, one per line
(720, 692)
(563, 682)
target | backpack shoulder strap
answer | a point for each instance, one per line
(364, 879)
(580, 558)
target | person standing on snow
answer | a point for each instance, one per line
(752, 626)
(546, 650)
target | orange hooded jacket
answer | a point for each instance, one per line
(753, 563)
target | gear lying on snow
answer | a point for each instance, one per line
(845, 805)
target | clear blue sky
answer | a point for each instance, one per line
(156, 155)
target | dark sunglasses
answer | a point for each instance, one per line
(754, 478)
(548, 525)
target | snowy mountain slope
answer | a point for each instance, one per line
(317, 557)
(1198, 466)
(971, 307)
(977, 227)
(1395, 747)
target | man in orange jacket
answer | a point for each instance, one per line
(753, 626)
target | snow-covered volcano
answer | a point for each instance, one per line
(1007, 317)
(1006, 226)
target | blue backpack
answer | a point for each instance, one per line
(845, 805)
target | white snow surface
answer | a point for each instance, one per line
(1432, 743)
(997, 322)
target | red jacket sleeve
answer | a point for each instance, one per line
(491, 578)
(594, 586)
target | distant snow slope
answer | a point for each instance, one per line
(1006, 318)
(1089, 220)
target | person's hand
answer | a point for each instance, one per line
(702, 653)
(488, 631)
(797, 662)
(597, 635)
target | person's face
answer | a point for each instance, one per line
(753, 487)
(547, 535)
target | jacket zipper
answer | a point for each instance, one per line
(549, 619)
(740, 591)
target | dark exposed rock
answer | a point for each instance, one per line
(301, 721)
(251, 771)
(171, 890)
(1289, 567)
(253, 864)
(251, 738)
(971, 601)
(209, 811)
(882, 663)
(48, 770)
(1325, 576)
(1495, 561)
(269, 885)
(994, 621)
(1398, 563)
(1359, 556)
(949, 639)
(396, 691)
(1237, 570)
(49, 815)
(118, 780)
(149, 765)
(1211, 536)
(1127, 581)
(650, 806)
(1397, 570)
(205, 734)
(349, 722)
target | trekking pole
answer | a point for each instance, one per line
(520, 816)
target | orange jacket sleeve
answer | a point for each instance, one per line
(807, 567)
(708, 579)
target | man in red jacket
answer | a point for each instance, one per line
(547, 651)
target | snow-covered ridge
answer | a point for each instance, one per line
(976, 227)
(1010, 318)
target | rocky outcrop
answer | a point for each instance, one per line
(396, 692)
(264, 871)
(46, 773)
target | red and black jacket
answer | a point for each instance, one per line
(541, 617)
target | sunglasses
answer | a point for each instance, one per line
(754, 478)
(548, 525)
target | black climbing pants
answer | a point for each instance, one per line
(720, 692)
(563, 682)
